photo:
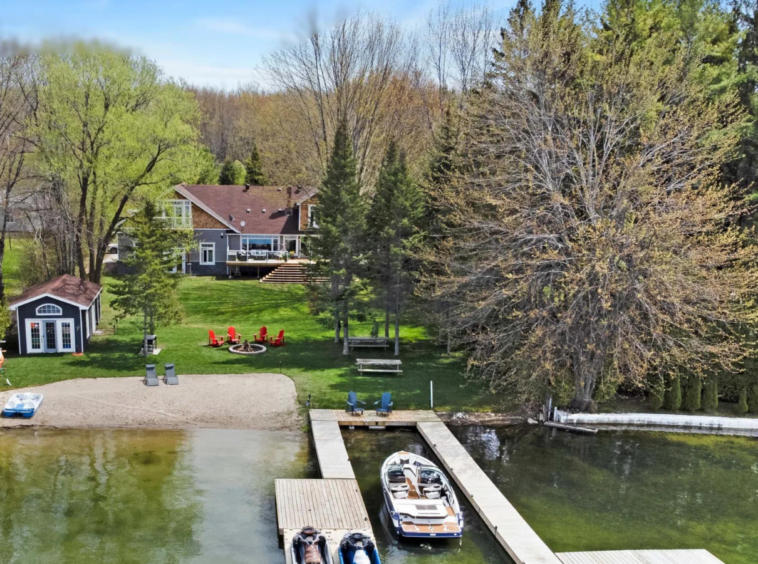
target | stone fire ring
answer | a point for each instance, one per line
(237, 349)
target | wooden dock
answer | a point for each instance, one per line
(402, 418)
(335, 507)
(640, 557)
(333, 460)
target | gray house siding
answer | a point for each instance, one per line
(218, 238)
(28, 311)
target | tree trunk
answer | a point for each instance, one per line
(397, 320)
(345, 332)
(144, 332)
(387, 317)
(2, 256)
(585, 380)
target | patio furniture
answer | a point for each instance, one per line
(171, 378)
(262, 336)
(151, 376)
(278, 341)
(385, 404)
(241, 256)
(368, 342)
(233, 337)
(385, 365)
(214, 341)
(352, 404)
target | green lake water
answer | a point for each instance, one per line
(367, 451)
(627, 490)
(139, 496)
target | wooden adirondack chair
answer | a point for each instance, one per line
(385, 404)
(278, 341)
(261, 337)
(352, 404)
(213, 340)
(233, 337)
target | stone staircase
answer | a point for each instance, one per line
(290, 273)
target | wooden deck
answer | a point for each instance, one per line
(640, 557)
(332, 455)
(511, 530)
(370, 418)
(335, 507)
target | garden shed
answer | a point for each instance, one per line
(57, 316)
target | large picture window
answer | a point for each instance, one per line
(207, 253)
(49, 309)
(178, 213)
(254, 243)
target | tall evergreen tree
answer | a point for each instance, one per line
(232, 173)
(392, 224)
(150, 288)
(341, 225)
(254, 169)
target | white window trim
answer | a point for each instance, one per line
(42, 337)
(311, 223)
(205, 246)
(57, 307)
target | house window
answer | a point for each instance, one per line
(36, 342)
(258, 243)
(178, 213)
(66, 336)
(49, 309)
(207, 253)
(312, 217)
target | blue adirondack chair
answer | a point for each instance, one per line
(352, 404)
(385, 404)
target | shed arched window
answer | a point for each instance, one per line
(49, 309)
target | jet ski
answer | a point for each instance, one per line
(309, 546)
(357, 548)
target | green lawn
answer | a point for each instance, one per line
(311, 358)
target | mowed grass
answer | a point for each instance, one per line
(310, 358)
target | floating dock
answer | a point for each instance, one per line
(335, 507)
(511, 530)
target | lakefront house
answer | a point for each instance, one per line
(239, 230)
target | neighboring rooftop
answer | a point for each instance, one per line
(263, 209)
(66, 287)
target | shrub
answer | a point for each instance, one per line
(694, 393)
(752, 398)
(672, 400)
(742, 406)
(657, 387)
(711, 396)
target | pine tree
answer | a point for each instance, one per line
(150, 288)
(232, 173)
(254, 169)
(672, 400)
(657, 387)
(207, 170)
(742, 406)
(341, 226)
(392, 224)
(711, 395)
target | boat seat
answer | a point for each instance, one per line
(433, 491)
(400, 491)
(312, 554)
(360, 557)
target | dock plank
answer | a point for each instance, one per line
(401, 418)
(640, 557)
(510, 529)
(333, 460)
(324, 504)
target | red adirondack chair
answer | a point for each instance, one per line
(233, 337)
(262, 337)
(279, 341)
(213, 340)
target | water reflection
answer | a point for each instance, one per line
(621, 490)
(126, 496)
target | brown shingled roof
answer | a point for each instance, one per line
(231, 203)
(65, 287)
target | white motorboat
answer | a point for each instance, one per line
(419, 497)
(25, 404)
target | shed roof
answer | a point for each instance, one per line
(267, 210)
(68, 288)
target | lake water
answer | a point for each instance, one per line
(623, 490)
(139, 496)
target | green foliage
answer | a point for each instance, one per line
(752, 398)
(232, 173)
(711, 395)
(207, 169)
(693, 393)
(657, 388)
(150, 288)
(5, 319)
(742, 406)
(672, 400)
(254, 169)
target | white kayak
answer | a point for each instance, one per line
(25, 404)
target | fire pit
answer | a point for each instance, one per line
(247, 348)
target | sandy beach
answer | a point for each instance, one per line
(228, 401)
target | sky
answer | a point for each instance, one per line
(219, 43)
